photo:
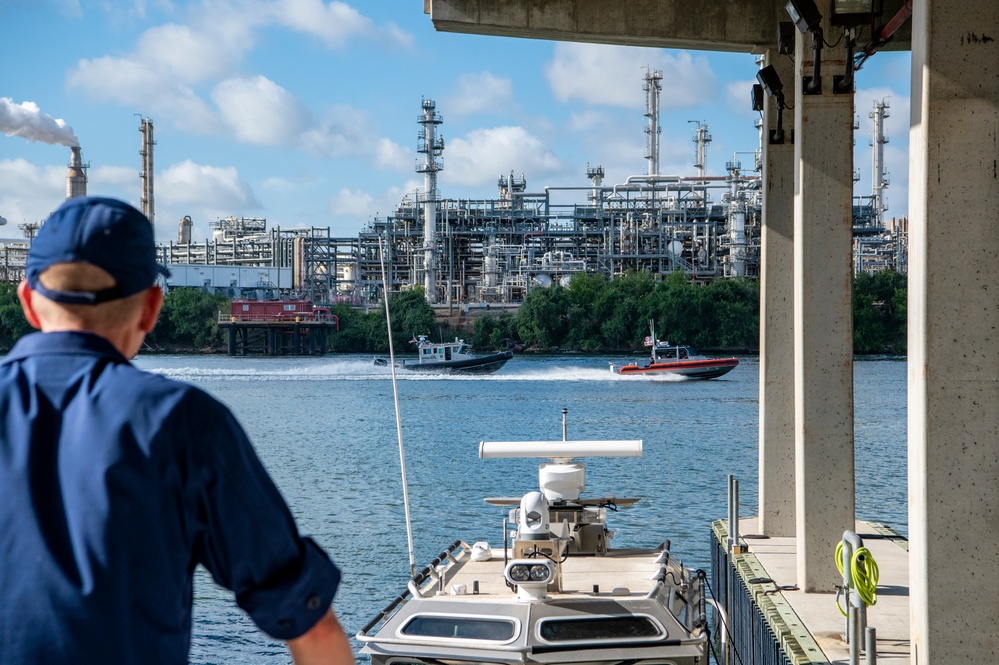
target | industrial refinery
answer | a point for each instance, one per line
(470, 252)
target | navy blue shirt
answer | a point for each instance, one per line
(114, 484)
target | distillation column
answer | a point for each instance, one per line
(878, 141)
(431, 146)
(701, 138)
(146, 128)
(736, 221)
(653, 87)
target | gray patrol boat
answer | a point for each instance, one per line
(556, 591)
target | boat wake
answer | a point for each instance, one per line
(209, 369)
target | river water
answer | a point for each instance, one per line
(325, 428)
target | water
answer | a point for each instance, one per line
(325, 429)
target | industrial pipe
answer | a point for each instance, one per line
(885, 34)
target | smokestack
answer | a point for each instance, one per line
(27, 121)
(148, 208)
(76, 179)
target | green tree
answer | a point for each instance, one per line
(13, 325)
(494, 332)
(355, 333)
(583, 318)
(541, 319)
(879, 313)
(736, 312)
(189, 319)
(412, 316)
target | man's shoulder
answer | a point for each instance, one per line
(146, 385)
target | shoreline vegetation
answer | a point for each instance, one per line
(592, 315)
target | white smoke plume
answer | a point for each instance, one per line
(27, 121)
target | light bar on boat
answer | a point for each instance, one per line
(560, 449)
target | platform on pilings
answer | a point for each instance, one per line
(774, 622)
(278, 338)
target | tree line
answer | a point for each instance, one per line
(591, 315)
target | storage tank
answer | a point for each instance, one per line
(184, 231)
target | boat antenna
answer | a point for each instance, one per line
(398, 418)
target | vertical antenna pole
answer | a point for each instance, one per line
(398, 417)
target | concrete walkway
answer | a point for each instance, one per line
(817, 611)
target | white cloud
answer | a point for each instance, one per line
(481, 93)
(738, 95)
(28, 193)
(482, 155)
(209, 187)
(588, 120)
(109, 177)
(280, 184)
(394, 156)
(188, 55)
(334, 23)
(398, 36)
(343, 130)
(260, 111)
(352, 203)
(165, 74)
(614, 75)
(135, 84)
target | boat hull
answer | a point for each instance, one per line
(692, 369)
(478, 365)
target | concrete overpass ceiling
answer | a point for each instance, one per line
(742, 26)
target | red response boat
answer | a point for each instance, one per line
(679, 360)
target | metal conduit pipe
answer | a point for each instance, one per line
(856, 622)
(885, 33)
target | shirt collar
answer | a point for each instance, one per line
(64, 342)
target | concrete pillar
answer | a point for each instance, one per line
(823, 316)
(953, 408)
(776, 476)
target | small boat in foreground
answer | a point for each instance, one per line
(450, 357)
(678, 360)
(556, 593)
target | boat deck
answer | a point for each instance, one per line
(775, 559)
(618, 573)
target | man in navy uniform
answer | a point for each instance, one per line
(116, 483)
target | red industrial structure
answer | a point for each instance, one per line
(279, 327)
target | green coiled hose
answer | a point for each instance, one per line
(863, 572)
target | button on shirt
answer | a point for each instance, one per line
(114, 484)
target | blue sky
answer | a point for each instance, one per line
(304, 112)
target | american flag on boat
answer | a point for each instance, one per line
(648, 341)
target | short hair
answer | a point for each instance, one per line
(84, 277)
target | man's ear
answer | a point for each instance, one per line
(151, 308)
(24, 294)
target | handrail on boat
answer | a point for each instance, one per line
(525, 648)
(416, 580)
(660, 577)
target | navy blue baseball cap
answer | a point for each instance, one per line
(104, 232)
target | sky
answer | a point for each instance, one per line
(304, 112)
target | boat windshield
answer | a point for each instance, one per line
(469, 628)
(674, 352)
(599, 628)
